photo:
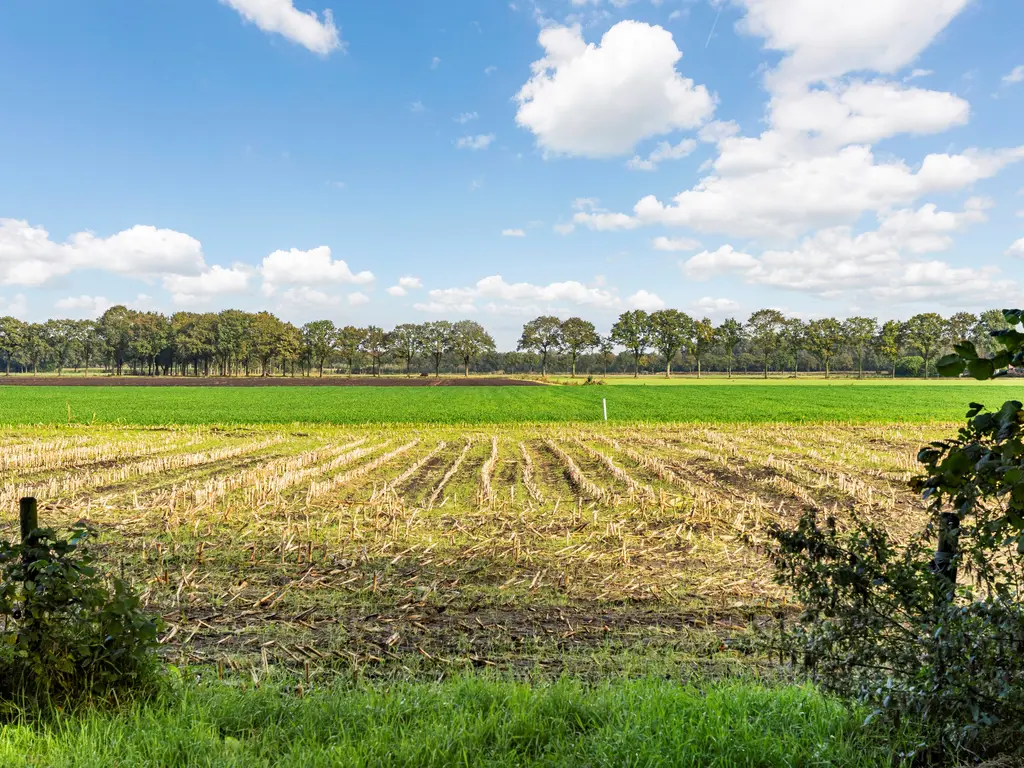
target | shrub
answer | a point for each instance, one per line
(933, 627)
(69, 631)
(911, 365)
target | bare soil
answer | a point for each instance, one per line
(264, 381)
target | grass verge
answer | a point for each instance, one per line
(466, 721)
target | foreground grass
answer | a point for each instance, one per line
(467, 722)
(849, 402)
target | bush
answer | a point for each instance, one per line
(911, 365)
(933, 627)
(69, 631)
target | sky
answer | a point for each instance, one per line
(402, 161)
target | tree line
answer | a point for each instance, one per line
(233, 342)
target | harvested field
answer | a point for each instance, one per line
(442, 547)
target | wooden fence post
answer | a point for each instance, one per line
(29, 518)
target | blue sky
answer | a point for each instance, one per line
(389, 162)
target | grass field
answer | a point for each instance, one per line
(468, 722)
(718, 402)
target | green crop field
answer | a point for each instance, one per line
(718, 402)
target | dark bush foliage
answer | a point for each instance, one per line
(69, 631)
(931, 628)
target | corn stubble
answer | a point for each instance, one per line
(441, 546)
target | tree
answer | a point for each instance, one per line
(267, 333)
(763, 330)
(115, 327)
(437, 340)
(375, 344)
(960, 327)
(825, 338)
(12, 338)
(890, 342)
(606, 351)
(859, 333)
(542, 335)
(350, 345)
(578, 336)
(321, 338)
(703, 340)
(290, 347)
(793, 339)
(991, 320)
(732, 334)
(406, 342)
(62, 338)
(633, 331)
(925, 333)
(89, 333)
(469, 341)
(668, 330)
(35, 346)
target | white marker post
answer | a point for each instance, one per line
(604, 401)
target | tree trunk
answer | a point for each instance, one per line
(944, 564)
(894, 368)
(668, 368)
(698, 367)
(826, 367)
(467, 367)
(574, 366)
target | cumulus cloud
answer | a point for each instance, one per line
(358, 298)
(600, 100)
(675, 244)
(664, 151)
(712, 306)
(15, 307)
(826, 40)
(216, 281)
(29, 257)
(310, 268)
(882, 264)
(304, 296)
(1015, 75)
(493, 294)
(476, 143)
(513, 233)
(405, 284)
(466, 117)
(85, 306)
(283, 18)
(1017, 249)
(645, 300)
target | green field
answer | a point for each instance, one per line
(718, 402)
(468, 722)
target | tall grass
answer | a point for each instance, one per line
(466, 722)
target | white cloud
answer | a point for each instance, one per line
(879, 265)
(918, 73)
(358, 298)
(86, 306)
(1017, 249)
(16, 307)
(664, 151)
(601, 100)
(712, 306)
(1015, 75)
(649, 302)
(466, 117)
(826, 40)
(726, 259)
(405, 284)
(216, 281)
(305, 296)
(501, 297)
(310, 268)
(29, 257)
(483, 141)
(789, 200)
(606, 222)
(675, 244)
(490, 70)
(513, 233)
(435, 62)
(283, 18)
(417, 106)
(566, 228)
